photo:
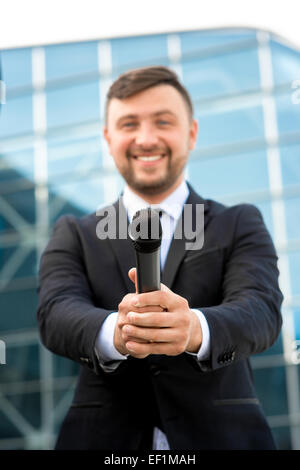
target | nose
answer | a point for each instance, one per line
(146, 136)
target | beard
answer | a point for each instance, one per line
(170, 175)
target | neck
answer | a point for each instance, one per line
(158, 198)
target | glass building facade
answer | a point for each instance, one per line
(53, 160)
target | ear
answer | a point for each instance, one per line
(106, 135)
(193, 134)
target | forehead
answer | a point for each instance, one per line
(148, 102)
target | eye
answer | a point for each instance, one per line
(129, 124)
(162, 122)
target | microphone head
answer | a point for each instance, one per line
(145, 230)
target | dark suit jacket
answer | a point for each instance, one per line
(233, 279)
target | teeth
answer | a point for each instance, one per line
(151, 158)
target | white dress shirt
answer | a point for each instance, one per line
(172, 208)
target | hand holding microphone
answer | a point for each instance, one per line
(155, 320)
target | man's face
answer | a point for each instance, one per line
(149, 136)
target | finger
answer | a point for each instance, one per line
(152, 319)
(156, 335)
(152, 308)
(158, 297)
(126, 302)
(127, 338)
(143, 350)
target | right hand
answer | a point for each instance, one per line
(126, 306)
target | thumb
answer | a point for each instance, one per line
(132, 276)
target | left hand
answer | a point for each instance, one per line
(172, 331)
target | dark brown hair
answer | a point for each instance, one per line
(134, 81)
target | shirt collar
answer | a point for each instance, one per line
(172, 205)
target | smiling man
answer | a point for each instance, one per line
(150, 135)
(167, 369)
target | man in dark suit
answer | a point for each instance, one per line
(175, 361)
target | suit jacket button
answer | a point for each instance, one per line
(85, 359)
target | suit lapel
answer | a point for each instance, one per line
(177, 249)
(122, 247)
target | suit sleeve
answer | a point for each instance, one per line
(248, 320)
(68, 320)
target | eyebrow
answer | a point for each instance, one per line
(134, 116)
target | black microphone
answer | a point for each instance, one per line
(145, 232)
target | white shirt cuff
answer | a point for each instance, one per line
(104, 344)
(106, 351)
(204, 351)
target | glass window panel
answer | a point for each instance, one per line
(294, 262)
(16, 117)
(230, 127)
(194, 41)
(290, 164)
(136, 51)
(22, 365)
(73, 105)
(5, 225)
(63, 367)
(286, 63)
(79, 197)
(16, 67)
(7, 428)
(292, 213)
(16, 165)
(219, 177)
(22, 203)
(296, 315)
(59, 205)
(29, 406)
(271, 390)
(67, 60)
(18, 262)
(282, 437)
(222, 74)
(288, 114)
(74, 156)
(18, 309)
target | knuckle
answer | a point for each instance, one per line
(182, 341)
(185, 321)
(153, 337)
(177, 350)
(162, 296)
(157, 318)
(184, 302)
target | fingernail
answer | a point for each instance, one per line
(135, 301)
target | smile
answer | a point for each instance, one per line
(148, 158)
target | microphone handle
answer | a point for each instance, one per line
(148, 271)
